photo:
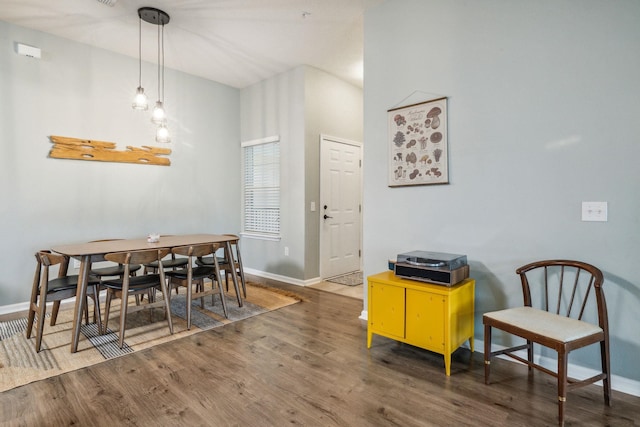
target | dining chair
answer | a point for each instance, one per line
(128, 285)
(559, 313)
(112, 270)
(190, 276)
(115, 270)
(167, 264)
(234, 258)
(55, 290)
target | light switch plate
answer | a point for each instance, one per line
(594, 211)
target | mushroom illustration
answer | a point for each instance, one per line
(399, 119)
(433, 115)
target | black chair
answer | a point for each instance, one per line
(135, 285)
(191, 275)
(558, 313)
(62, 287)
(227, 262)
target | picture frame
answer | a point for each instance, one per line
(418, 143)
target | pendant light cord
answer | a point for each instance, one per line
(159, 95)
(162, 63)
(139, 51)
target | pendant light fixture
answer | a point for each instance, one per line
(158, 116)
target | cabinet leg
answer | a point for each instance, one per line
(471, 343)
(369, 334)
(447, 364)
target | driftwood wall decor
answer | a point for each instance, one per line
(65, 147)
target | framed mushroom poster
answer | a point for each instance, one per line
(418, 144)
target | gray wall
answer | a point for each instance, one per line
(298, 105)
(543, 114)
(79, 91)
(332, 107)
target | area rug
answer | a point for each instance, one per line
(20, 364)
(350, 279)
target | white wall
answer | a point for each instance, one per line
(543, 114)
(79, 91)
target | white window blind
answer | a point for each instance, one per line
(261, 187)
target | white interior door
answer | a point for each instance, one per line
(340, 206)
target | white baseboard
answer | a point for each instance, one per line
(618, 383)
(285, 279)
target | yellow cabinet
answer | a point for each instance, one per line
(434, 317)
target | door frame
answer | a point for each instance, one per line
(323, 137)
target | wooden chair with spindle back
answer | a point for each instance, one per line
(564, 310)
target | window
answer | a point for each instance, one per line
(261, 187)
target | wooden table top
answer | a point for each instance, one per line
(107, 246)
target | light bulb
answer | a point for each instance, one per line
(162, 134)
(140, 100)
(158, 116)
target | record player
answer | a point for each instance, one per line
(433, 267)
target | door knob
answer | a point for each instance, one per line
(327, 216)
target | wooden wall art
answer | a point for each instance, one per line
(65, 147)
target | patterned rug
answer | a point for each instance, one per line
(350, 279)
(20, 364)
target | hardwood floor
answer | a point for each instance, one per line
(306, 364)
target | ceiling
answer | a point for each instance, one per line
(235, 42)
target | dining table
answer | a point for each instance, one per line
(90, 252)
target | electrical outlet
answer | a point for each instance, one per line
(594, 211)
(286, 251)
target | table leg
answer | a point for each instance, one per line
(81, 296)
(234, 276)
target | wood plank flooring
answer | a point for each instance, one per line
(305, 364)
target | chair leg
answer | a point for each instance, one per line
(42, 310)
(107, 308)
(562, 385)
(54, 313)
(167, 306)
(487, 353)
(96, 308)
(200, 288)
(31, 318)
(221, 293)
(123, 316)
(606, 369)
(189, 293)
(530, 355)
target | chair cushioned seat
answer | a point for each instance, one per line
(178, 262)
(116, 270)
(540, 322)
(67, 282)
(197, 272)
(208, 260)
(135, 282)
